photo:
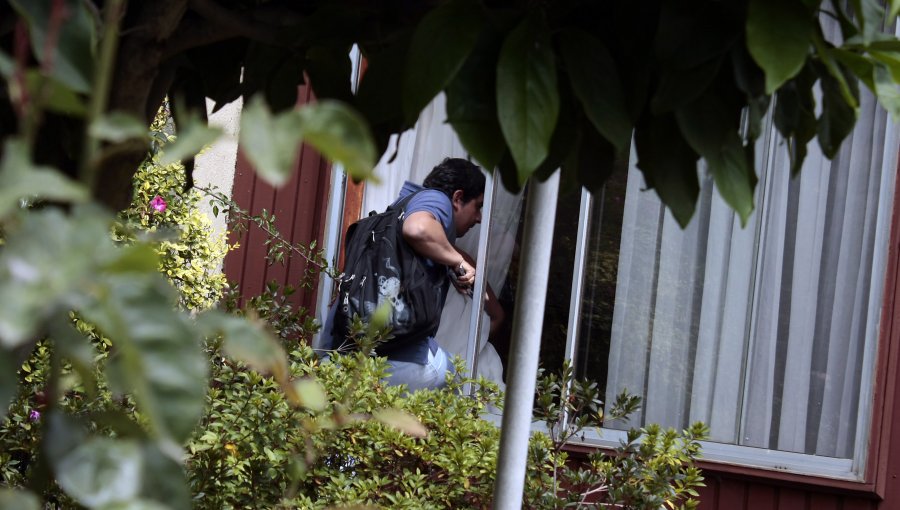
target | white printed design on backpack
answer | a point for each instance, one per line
(389, 290)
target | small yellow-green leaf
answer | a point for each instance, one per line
(311, 394)
(402, 421)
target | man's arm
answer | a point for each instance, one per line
(426, 236)
(491, 306)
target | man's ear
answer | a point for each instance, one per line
(457, 199)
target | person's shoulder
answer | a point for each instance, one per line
(428, 199)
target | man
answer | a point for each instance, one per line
(446, 206)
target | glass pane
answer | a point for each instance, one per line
(761, 331)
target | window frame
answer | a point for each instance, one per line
(870, 457)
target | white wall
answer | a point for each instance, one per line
(214, 168)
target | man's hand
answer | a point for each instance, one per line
(465, 277)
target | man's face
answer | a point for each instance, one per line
(466, 214)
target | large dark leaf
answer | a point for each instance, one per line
(439, 47)
(379, 96)
(527, 95)
(595, 158)
(795, 115)
(712, 131)
(681, 86)
(778, 37)
(669, 164)
(472, 103)
(838, 117)
(329, 70)
(73, 53)
(276, 72)
(597, 85)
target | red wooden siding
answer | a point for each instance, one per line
(299, 208)
(724, 492)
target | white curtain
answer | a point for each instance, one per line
(411, 156)
(761, 332)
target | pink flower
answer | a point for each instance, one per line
(158, 203)
(34, 415)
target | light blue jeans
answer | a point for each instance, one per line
(431, 375)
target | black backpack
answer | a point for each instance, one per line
(380, 266)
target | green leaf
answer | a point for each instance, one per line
(35, 281)
(140, 258)
(247, 342)
(860, 66)
(311, 394)
(887, 91)
(56, 97)
(891, 61)
(439, 47)
(795, 115)
(271, 143)
(734, 176)
(712, 131)
(778, 37)
(101, 471)
(597, 85)
(340, 134)
(160, 357)
(846, 86)
(838, 117)
(19, 499)
(527, 95)
(136, 504)
(678, 87)
(9, 383)
(192, 136)
(117, 127)
(73, 54)
(76, 348)
(163, 479)
(472, 103)
(669, 165)
(402, 421)
(870, 16)
(20, 178)
(894, 9)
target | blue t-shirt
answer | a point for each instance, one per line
(439, 205)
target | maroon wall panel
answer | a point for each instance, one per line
(726, 491)
(299, 208)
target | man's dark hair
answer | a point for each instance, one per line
(456, 173)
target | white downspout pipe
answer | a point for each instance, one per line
(528, 322)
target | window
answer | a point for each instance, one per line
(767, 333)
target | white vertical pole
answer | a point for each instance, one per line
(528, 321)
(475, 325)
